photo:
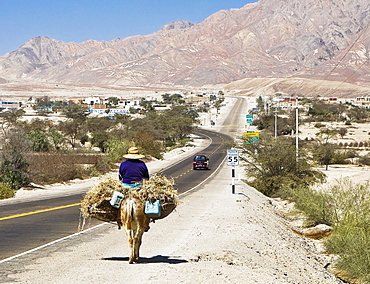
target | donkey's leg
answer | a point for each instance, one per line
(131, 242)
(137, 243)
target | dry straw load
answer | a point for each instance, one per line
(96, 202)
(159, 188)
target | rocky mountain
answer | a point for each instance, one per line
(321, 39)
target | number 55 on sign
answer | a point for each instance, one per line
(232, 157)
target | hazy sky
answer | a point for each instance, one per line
(102, 20)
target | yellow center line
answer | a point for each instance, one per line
(39, 211)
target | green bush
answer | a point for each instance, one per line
(365, 160)
(116, 148)
(272, 164)
(340, 158)
(346, 207)
(314, 203)
(319, 125)
(351, 235)
(6, 191)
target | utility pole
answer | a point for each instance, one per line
(296, 127)
(275, 112)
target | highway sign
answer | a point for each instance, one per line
(233, 157)
(251, 137)
(249, 119)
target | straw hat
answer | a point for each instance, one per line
(133, 153)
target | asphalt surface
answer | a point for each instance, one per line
(28, 225)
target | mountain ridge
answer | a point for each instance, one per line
(318, 39)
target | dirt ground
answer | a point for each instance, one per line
(214, 236)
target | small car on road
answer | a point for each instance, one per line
(200, 162)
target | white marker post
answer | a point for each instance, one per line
(233, 160)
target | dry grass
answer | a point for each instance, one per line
(96, 201)
(59, 167)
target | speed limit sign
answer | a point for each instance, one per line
(232, 157)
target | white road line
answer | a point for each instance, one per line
(51, 243)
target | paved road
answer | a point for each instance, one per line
(27, 225)
(32, 224)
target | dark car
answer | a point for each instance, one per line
(200, 162)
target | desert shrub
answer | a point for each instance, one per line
(61, 167)
(184, 142)
(319, 125)
(364, 160)
(101, 166)
(339, 158)
(346, 207)
(13, 162)
(272, 164)
(115, 148)
(6, 191)
(351, 236)
(314, 203)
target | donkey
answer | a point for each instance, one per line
(133, 219)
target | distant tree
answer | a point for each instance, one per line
(342, 131)
(98, 124)
(13, 162)
(75, 112)
(100, 139)
(71, 130)
(56, 137)
(325, 134)
(122, 118)
(324, 153)
(173, 99)
(39, 141)
(323, 150)
(358, 113)
(113, 100)
(10, 118)
(260, 103)
(133, 110)
(272, 163)
(218, 104)
(36, 124)
(147, 105)
(115, 148)
(147, 142)
(43, 105)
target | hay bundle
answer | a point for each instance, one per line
(160, 188)
(96, 201)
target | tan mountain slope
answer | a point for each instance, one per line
(320, 39)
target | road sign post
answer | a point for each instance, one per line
(233, 160)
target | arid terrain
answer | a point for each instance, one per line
(212, 237)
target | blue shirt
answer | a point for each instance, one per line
(132, 171)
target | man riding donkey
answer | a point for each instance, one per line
(141, 200)
(132, 172)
